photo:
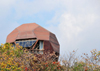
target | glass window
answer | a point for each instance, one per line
(41, 45)
(30, 42)
(20, 43)
(26, 43)
(33, 42)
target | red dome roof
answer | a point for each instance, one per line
(33, 30)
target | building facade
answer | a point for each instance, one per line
(34, 37)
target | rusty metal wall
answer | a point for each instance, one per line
(48, 47)
(54, 42)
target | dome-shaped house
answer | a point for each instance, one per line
(34, 37)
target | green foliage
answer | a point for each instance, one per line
(17, 59)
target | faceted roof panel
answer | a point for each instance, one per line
(54, 42)
(22, 32)
(41, 33)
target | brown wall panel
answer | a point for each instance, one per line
(54, 41)
(53, 38)
(47, 46)
(52, 35)
(55, 47)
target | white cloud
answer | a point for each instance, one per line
(78, 28)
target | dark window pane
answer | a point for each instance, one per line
(30, 44)
(30, 41)
(20, 43)
(33, 42)
(24, 44)
(27, 45)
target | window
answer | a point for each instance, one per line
(41, 45)
(26, 43)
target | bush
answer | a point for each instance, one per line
(18, 59)
(86, 62)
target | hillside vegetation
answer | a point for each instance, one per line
(19, 59)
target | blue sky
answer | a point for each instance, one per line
(76, 23)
